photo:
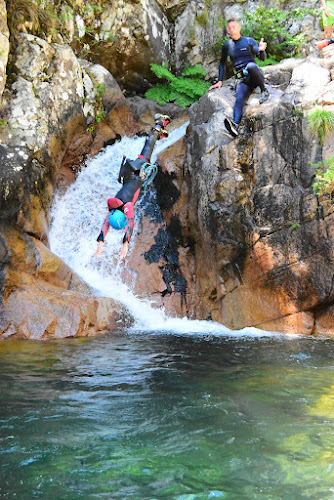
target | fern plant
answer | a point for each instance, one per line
(183, 90)
(321, 123)
(324, 177)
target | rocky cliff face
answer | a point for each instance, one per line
(125, 37)
(259, 240)
(49, 123)
(134, 34)
(240, 238)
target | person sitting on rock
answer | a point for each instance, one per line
(242, 51)
(132, 175)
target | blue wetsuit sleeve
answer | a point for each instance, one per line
(253, 45)
(222, 62)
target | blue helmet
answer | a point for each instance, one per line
(117, 219)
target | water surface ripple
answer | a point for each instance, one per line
(165, 416)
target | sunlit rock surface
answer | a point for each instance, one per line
(4, 46)
(47, 130)
(44, 298)
(262, 241)
(140, 37)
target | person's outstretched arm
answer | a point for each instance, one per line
(99, 249)
(102, 235)
(325, 8)
(221, 68)
(124, 250)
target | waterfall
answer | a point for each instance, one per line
(76, 220)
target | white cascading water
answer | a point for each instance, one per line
(76, 221)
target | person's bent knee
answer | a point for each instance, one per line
(252, 67)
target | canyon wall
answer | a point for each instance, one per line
(240, 238)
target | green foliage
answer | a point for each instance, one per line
(296, 225)
(220, 22)
(90, 41)
(162, 71)
(191, 32)
(160, 93)
(91, 10)
(66, 13)
(268, 62)
(216, 47)
(271, 24)
(184, 90)
(99, 91)
(324, 177)
(3, 123)
(298, 112)
(100, 114)
(321, 123)
(194, 70)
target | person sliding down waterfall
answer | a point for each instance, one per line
(242, 50)
(134, 174)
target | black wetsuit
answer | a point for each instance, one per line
(129, 176)
(242, 53)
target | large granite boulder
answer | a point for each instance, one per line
(140, 32)
(44, 298)
(51, 110)
(264, 249)
(251, 241)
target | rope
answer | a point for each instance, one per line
(147, 173)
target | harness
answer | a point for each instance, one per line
(241, 74)
(244, 72)
(146, 171)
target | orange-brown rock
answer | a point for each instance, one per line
(301, 323)
(44, 298)
(145, 270)
(38, 310)
(325, 321)
(262, 244)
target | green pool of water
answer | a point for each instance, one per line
(161, 416)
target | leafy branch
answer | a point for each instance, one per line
(324, 177)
